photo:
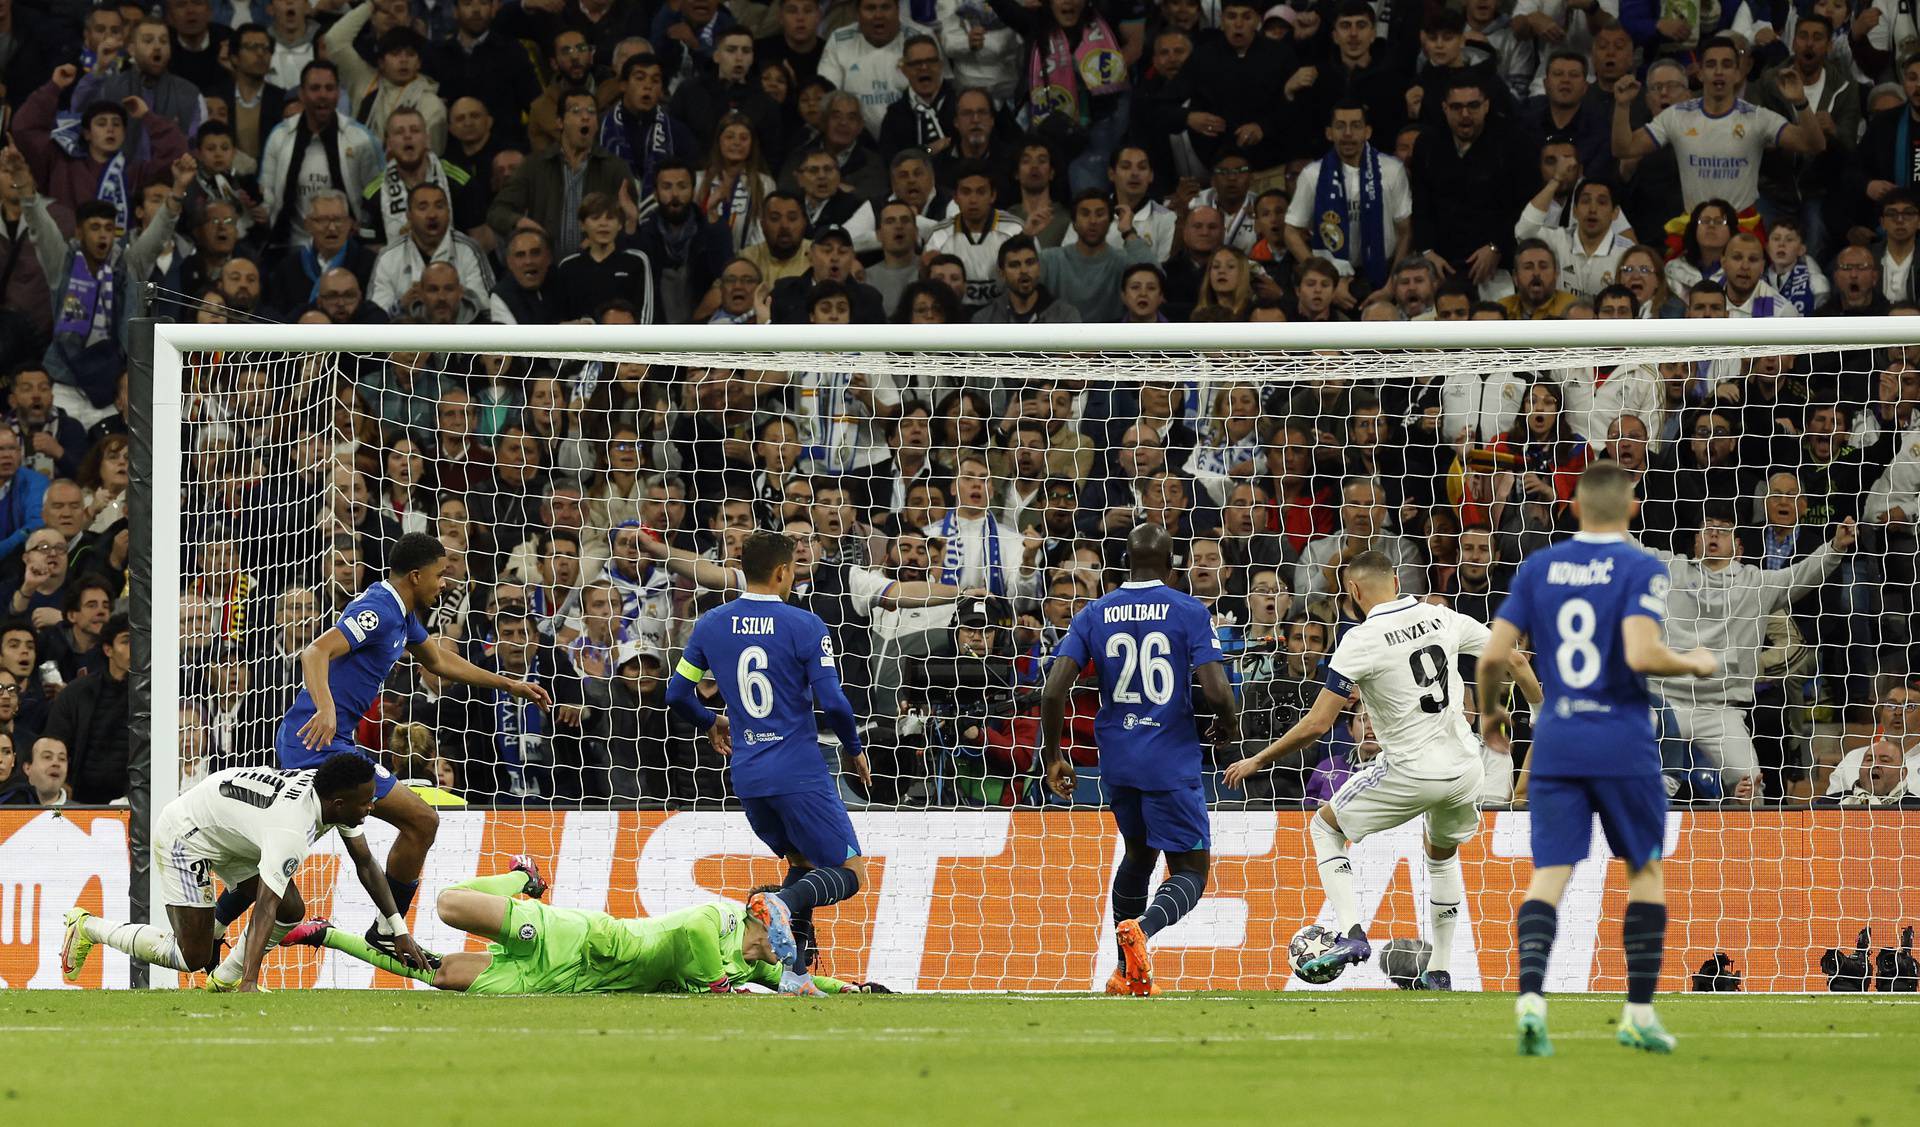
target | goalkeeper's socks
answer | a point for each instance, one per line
(145, 942)
(817, 888)
(234, 965)
(347, 943)
(1175, 897)
(1129, 893)
(1336, 872)
(1644, 936)
(1446, 892)
(500, 884)
(231, 906)
(1533, 929)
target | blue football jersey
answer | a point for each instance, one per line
(767, 655)
(1145, 640)
(1571, 600)
(378, 628)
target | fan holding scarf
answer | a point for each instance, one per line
(1360, 207)
(92, 277)
(1078, 95)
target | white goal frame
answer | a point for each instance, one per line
(1158, 344)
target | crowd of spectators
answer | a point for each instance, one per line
(929, 161)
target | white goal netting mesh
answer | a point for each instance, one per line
(954, 510)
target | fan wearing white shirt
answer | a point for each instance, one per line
(1744, 264)
(974, 548)
(1717, 138)
(1587, 250)
(1351, 136)
(1403, 663)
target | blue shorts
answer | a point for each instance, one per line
(296, 756)
(1632, 810)
(1172, 821)
(812, 823)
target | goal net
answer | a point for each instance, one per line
(955, 497)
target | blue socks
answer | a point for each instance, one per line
(816, 888)
(230, 907)
(403, 891)
(1534, 928)
(1130, 892)
(1176, 897)
(1643, 935)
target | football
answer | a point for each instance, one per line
(1309, 943)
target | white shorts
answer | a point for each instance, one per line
(186, 871)
(1380, 798)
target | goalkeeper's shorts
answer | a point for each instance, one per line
(541, 950)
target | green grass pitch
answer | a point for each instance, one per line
(331, 1057)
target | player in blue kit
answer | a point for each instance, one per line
(344, 670)
(773, 663)
(1148, 642)
(1593, 608)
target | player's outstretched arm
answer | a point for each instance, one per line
(1061, 675)
(833, 703)
(374, 880)
(322, 652)
(1649, 655)
(437, 659)
(1318, 721)
(1490, 676)
(906, 596)
(266, 907)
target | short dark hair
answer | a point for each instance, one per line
(211, 129)
(95, 209)
(764, 551)
(969, 168)
(341, 772)
(1720, 41)
(17, 625)
(1014, 245)
(96, 109)
(1615, 291)
(414, 551)
(1085, 194)
(644, 59)
(319, 64)
(1350, 8)
(92, 581)
(826, 291)
(117, 625)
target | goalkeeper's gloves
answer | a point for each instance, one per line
(867, 988)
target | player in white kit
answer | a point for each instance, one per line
(1403, 661)
(247, 826)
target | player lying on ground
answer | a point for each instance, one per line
(535, 948)
(774, 662)
(343, 671)
(1403, 661)
(1592, 607)
(249, 826)
(1148, 643)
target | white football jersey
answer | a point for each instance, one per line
(255, 816)
(1405, 661)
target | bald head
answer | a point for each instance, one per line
(1149, 552)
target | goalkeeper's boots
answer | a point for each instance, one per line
(1434, 980)
(1530, 1017)
(799, 985)
(1117, 984)
(1136, 962)
(536, 884)
(74, 945)
(1649, 1036)
(772, 912)
(308, 933)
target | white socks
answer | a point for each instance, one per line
(1446, 892)
(234, 965)
(1336, 871)
(1639, 1013)
(145, 942)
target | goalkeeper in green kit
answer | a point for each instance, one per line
(540, 949)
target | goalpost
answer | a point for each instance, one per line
(288, 458)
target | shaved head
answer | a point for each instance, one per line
(1149, 552)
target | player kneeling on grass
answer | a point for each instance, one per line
(1403, 661)
(251, 827)
(539, 949)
